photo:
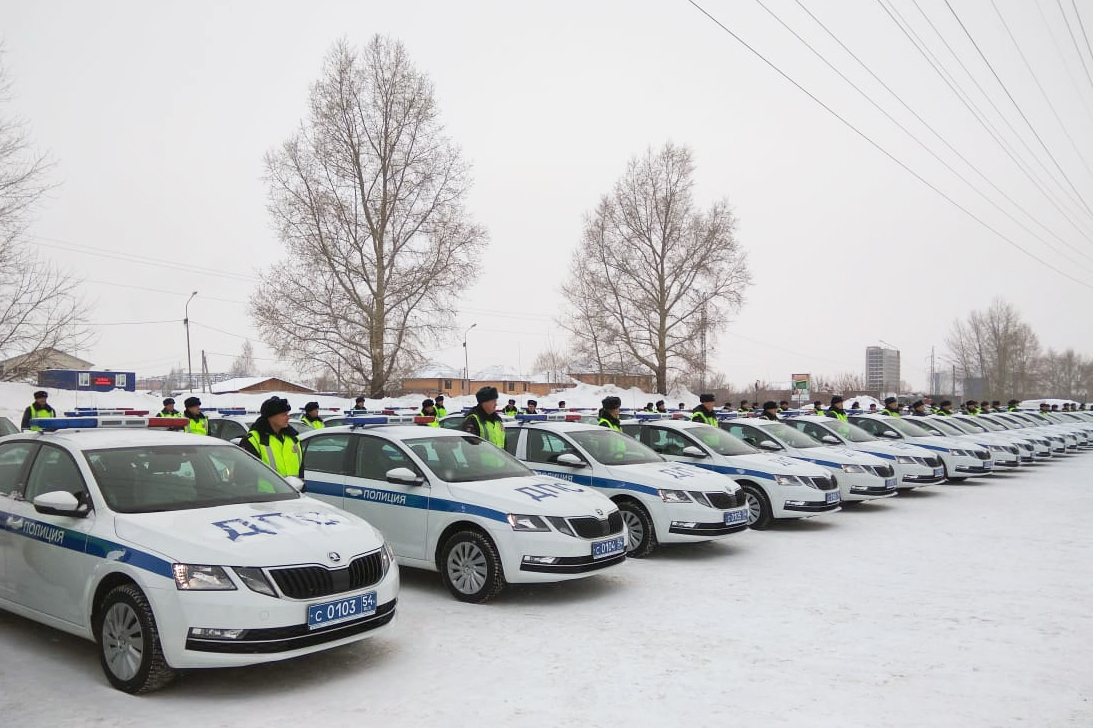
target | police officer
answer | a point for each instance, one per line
(996, 406)
(918, 408)
(1012, 406)
(891, 407)
(311, 416)
(169, 409)
(273, 440)
(836, 409)
(483, 419)
(648, 407)
(198, 423)
(660, 406)
(561, 404)
(358, 404)
(37, 408)
(818, 407)
(510, 409)
(745, 407)
(945, 408)
(438, 405)
(704, 411)
(783, 406)
(770, 411)
(532, 408)
(971, 408)
(428, 409)
(609, 413)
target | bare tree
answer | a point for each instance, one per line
(368, 199)
(998, 347)
(654, 275)
(243, 365)
(40, 310)
(1063, 374)
(554, 363)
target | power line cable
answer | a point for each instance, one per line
(1074, 40)
(161, 291)
(884, 151)
(1062, 57)
(1081, 25)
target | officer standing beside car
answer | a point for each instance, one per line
(704, 412)
(197, 423)
(836, 409)
(483, 419)
(609, 413)
(438, 404)
(37, 408)
(428, 409)
(311, 416)
(273, 440)
(891, 407)
(770, 410)
(918, 409)
(169, 409)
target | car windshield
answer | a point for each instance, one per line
(984, 424)
(720, 441)
(1008, 421)
(947, 427)
(849, 431)
(153, 478)
(970, 424)
(613, 448)
(466, 459)
(7, 427)
(909, 429)
(789, 435)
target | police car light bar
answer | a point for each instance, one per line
(649, 416)
(232, 410)
(534, 417)
(85, 423)
(727, 415)
(367, 420)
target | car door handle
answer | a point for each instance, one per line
(15, 523)
(354, 492)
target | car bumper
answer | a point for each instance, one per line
(860, 487)
(525, 556)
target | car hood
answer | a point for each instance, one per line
(937, 442)
(251, 534)
(537, 495)
(837, 456)
(671, 476)
(777, 464)
(890, 450)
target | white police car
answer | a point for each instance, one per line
(661, 502)
(915, 466)
(961, 459)
(776, 487)
(1003, 449)
(450, 502)
(861, 476)
(176, 551)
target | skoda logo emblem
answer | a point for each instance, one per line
(599, 512)
(334, 556)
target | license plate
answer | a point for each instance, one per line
(341, 610)
(833, 497)
(732, 517)
(608, 547)
(938, 472)
(987, 465)
(890, 482)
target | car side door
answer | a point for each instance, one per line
(542, 450)
(328, 462)
(817, 432)
(399, 510)
(751, 435)
(15, 457)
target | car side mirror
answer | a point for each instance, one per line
(890, 433)
(568, 458)
(404, 476)
(830, 440)
(297, 483)
(60, 503)
(693, 452)
(770, 445)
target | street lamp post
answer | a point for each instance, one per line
(189, 361)
(466, 362)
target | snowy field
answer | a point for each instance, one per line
(964, 605)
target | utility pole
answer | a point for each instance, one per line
(189, 361)
(702, 377)
(930, 390)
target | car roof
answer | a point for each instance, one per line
(555, 425)
(96, 438)
(393, 432)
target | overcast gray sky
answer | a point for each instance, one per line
(158, 116)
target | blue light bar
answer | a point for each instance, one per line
(649, 415)
(355, 412)
(370, 420)
(727, 415)
(232, 410)
(64, 423)
(536, 417)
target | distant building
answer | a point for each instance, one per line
(881, 369)
(26, 366)
(257, 385)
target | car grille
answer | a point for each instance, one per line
(884, 471)
(983, 454)
(823, 483)
(308, 582)
(589, 527)
(727, 500)
(932, 462)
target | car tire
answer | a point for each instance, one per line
(641, 537)
(471, 567)
(949, 479)
(760, 513)
(128, 639)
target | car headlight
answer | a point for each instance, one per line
(527, 523)
(957, 453)
(787, 480)
(387, 557)
(255, 579)
(850, 468)
(905, 460)
(674, 496)
(193, 577)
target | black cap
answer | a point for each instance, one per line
(1013, 402)
(439, 397)
(770, 404)
(359, 399)
(835, 400)
(705, 398)
(41, 393)
(946, 403)
(192, 402)
(532, 402)
(274, 406)
(486, 394)
(169, 400)
(612, 402)
(427, 403)
(890, 400)
(917, 403)
(311, 406)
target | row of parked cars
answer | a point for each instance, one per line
(175, 551)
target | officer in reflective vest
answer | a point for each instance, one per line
(198, 423)
(609, 413)
(1013, 405)
(770, 410)
(837, 410)
(511, 409)
(169, 409)
(428, 409)
(891, 407)
(358, 404)
(311, 416)
(38, 408)
(704, 412)
(532, 407)
(483, 420)
(945, 408)
(273, 440)
(438, 405)
(918, 409)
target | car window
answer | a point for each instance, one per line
(720, 441)
(872, 426)
(545, 447)
(54, 469)
(375, 456)
(666, 442)
(512, 439)
(465, 459)
(614, 448)
(7, 427)
(328, 454)
(13, 460)
(811, 429)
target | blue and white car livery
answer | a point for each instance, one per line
(961, 458)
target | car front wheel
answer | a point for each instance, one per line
(129, 648)
(641, 537)
(760, 514)
(471, 567)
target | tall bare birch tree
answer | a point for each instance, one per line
(999, 347)
(654, 275)
(368, 199)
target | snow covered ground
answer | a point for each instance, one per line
(964, 605)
